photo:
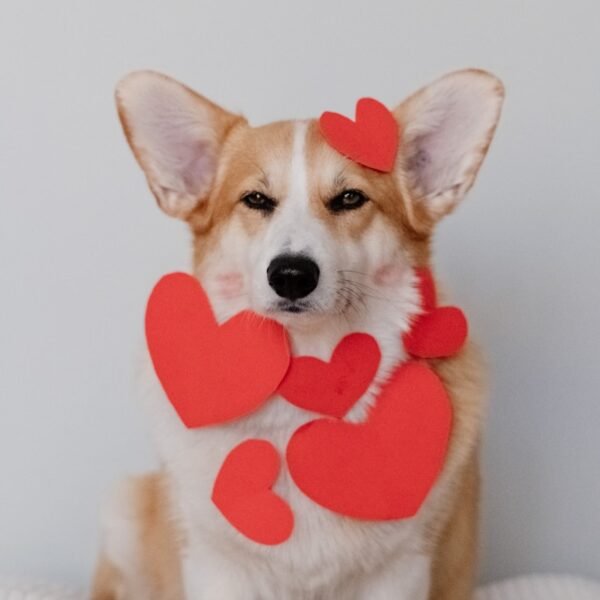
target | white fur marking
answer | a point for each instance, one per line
(298, 194)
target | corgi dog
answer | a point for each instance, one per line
(289, 228)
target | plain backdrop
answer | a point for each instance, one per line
(82, 242)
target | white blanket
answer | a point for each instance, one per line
(542, 587)
(12, 588)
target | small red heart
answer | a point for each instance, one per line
(332, 388)
(439, 332)
(384, 468)
(242, 492)
(211, 373)
(372, 140)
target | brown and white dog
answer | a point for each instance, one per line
(350, 238)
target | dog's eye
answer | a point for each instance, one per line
(347, 200)
(258, 201)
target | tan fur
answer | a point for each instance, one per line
(454, 533)
(107, 583)
(455, 556)
(244, 151)
(159, 544)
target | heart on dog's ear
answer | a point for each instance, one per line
(371, 140)
(211, 373)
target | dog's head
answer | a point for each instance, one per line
(284, 224)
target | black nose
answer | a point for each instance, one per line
(293, 276)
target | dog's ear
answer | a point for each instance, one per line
(176, 136)
(447, 127)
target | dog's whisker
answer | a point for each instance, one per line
(365, 290)
(360, 284)
(360, 290)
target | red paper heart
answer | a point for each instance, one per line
(211, 373)
(372, 140)
(384, 468)
(438, 332)
(242, 492)
(332, 388)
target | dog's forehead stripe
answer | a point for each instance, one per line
(298, 183)
(295, 225)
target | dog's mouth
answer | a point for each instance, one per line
(348, 296)
(293, 309)
(346, 300)
(296, 313)
(296, 307)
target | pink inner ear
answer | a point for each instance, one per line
(448, 129)
(198, 169)
(173, 132)
(434, 159)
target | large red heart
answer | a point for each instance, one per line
(438, 332)
(383, 468)
(371, 140)
(332, 388)
(211, 373)
(242, 492)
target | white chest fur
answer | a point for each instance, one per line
(327, 556)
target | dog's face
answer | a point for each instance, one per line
(298, 232)
(284, 224)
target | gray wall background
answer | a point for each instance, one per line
(81, 241)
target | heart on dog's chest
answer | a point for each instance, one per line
(211, 373)
(332, 388)
(379, 469)
(383, 468)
